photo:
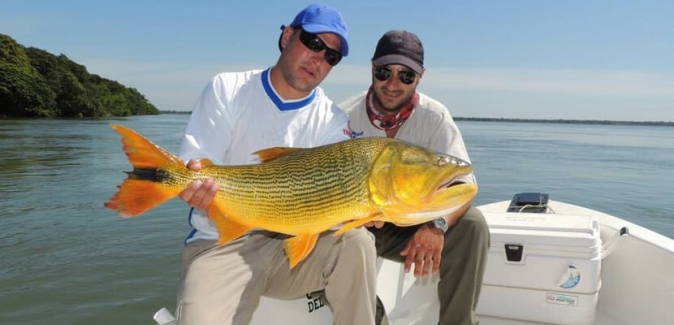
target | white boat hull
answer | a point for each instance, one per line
(637, 278)
(637, 283)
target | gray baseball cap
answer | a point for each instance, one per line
(400, 47)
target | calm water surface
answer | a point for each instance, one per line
(67, 260)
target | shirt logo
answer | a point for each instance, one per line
(351, 133)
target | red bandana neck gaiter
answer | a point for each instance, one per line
(388, 122)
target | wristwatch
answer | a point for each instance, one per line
(441, 224)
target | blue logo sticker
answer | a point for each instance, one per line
(571, 278)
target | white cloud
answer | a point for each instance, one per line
(167, 85)
(572, 94)
(576, 82)
(538, 94)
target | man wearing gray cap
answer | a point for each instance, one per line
(238, 114)
(456, 246)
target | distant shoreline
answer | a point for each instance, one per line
(561, 121)
(519, 120)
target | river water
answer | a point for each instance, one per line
(65, 259)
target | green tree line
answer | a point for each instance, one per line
(36, 83)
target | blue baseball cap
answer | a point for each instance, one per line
(319, 18)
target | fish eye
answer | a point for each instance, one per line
(444, 161)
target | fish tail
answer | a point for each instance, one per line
(154, 179)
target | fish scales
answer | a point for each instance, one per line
(297, 189)
(303, 192)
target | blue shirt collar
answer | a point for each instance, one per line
(278, 101)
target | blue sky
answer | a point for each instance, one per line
(603, 60)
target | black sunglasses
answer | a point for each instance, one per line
(316, 44)
(405, 76)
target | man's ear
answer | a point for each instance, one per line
(284, 38)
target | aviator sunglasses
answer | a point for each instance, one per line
(316, 44)
(405, 76)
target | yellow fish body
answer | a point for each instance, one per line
(303, 192)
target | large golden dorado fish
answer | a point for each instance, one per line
(303, 192)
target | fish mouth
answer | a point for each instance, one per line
(451, 181)
(449, 198)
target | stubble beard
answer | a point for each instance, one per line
(388, 109)
(299, 84)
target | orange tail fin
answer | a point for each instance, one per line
(149, 184)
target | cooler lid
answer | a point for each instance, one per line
(544, 229)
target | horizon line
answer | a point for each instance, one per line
(509, 119)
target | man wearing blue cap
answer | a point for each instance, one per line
(456, 246)
(238, 114)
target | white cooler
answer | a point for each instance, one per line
(542, 268)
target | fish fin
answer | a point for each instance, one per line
(228, 229)
(357, 223)
(269, 154)
(298, 248)
(144, 188)
(137, 196)
(142, 153)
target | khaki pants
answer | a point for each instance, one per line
(222, 285)
(462, 263)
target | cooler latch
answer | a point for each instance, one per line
(514, 252)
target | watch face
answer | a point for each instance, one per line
(440, 223)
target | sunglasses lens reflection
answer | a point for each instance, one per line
(316, 44)
(405, 76)
(382, 73)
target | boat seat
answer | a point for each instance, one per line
(407, 300)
